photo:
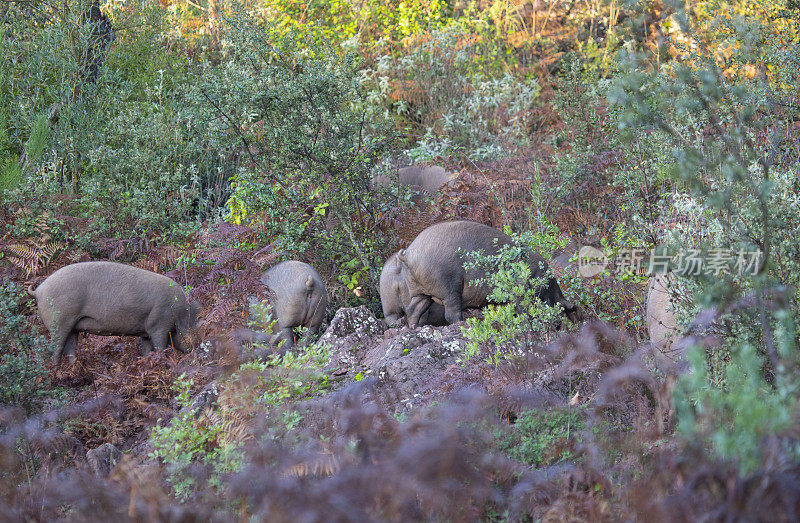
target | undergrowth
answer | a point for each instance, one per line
(24, 378)
(686, 138)
(542, 438)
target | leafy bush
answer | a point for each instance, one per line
(24, 380)
(295, 110)
(128, 143)
(541, 438)
(449, 101)
(339, 20)
(725, 132)
(10, 172)
(292, 376)
(599, 162)
(186, 442)
(213, 439)
(517, 313)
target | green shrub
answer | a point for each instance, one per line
(294, 376)
(339, 20)
(541, 438)
(450, 101)
(516, 313)
(257, 390)
(131, 147)
(295, 108)
(185, 442)
(24, 380)
(10, 173)
(724, 132)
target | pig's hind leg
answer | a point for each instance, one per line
(453, 308)
(287, 335)
(70, 346)
(145, 345)
(67, 339)
(417, 307)
(159, 338)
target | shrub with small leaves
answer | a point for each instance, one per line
(516, 314)
(185, 442)
(733, 147)
(24, 380)
(295, 111)
(452, 102)
(541, 438)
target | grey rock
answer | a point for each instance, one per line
(408, 360)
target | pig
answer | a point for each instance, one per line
(427, 178)
(113, 299)
(298, 298)
(561, 261)
(433, 268)
(661, 324)
(395, 297)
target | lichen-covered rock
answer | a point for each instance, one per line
(410, 361)
(414, 360)
(358, 320)
(204, 399)
(103, 459)
(350, 332)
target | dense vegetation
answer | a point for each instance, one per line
(208, 140)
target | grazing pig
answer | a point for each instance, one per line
(427, 178)
(113, 299)
(395, 298)
(661, 324)
(298, 298)
(433, 268)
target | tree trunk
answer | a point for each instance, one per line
(101, 34)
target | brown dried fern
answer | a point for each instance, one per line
(32, 255)
(321, 466)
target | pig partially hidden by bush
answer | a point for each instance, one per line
(298, 297)
(113, 299)
(396, 298)
(562, 259)
(427, 178)
(430, 179)
(433, 268)
(661, 323)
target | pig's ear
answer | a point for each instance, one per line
(401, 255)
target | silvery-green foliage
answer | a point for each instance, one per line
(737, 189)
(442, 88)
(128, 143)
(24, 379)
(492, 119)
